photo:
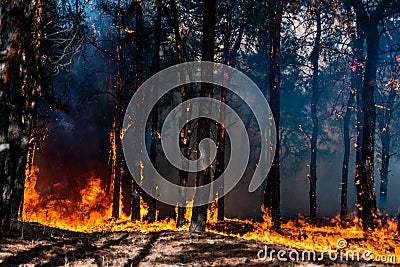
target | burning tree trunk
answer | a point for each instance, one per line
(117, 162)
(272, 191)
(20, 92)
(139, 80)
(370, 26)
(116, 142)
(199, 213)
(358, 51)
(346, 156)
(229, 56)
(316, 93)
(185, 135)
(385, 134)
(22, 62)
(155, 67)
(357, 41)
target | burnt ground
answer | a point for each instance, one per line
(44, 246)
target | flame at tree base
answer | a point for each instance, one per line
(93, 214)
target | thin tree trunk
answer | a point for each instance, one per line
(357, 41)
(116, 172)
(357, 73)
(185, 136)
(199, 213)
(385, 134)
(155, 67)
(346, 156)
(316, 93)
(139, 80)
(272, 190)
(228, 59)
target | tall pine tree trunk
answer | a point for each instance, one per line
(138, 81)
(368, 199)
(272, 191)
(357, 41)
(369, 22)
(19, 95)
(385, 134)
(346, 156)
(316, 93)
(185, 135)
(155, 67)
(356, 77)
(199, 213)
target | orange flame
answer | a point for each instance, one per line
(92, 213)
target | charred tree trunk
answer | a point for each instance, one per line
(229, 56)
(346, 156)
(117, 163)
(370, 26)
(356, 77)
(385, 134)
(199, 214)
(116, 143)
(272, 190)
(139, 80)
(20, 59)
(357, 41)
(368, 200)
(316, 93)
(11, 79)
(185, 136)
(155, 67)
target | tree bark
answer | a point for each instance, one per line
(155, 67)
(20, 92)
(272, 190)
(199, 213)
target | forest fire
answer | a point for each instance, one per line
(93, 214)
(198, 132)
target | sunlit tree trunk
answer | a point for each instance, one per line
(272, 190)
(199, 213)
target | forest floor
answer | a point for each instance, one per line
(44, 246)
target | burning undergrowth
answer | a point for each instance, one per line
(92, 213)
